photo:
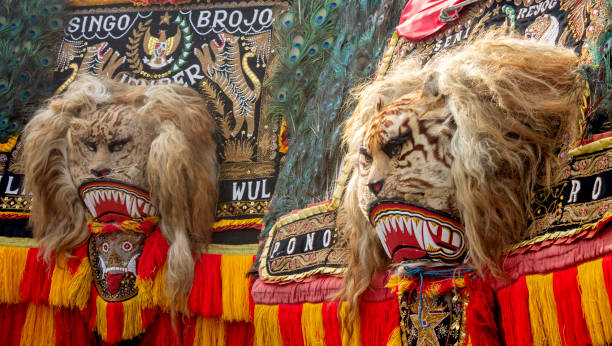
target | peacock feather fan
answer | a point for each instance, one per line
(29, 33)
(311, 91)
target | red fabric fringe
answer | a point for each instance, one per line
(481, 325)
(161, 333)
(377, 321)
(78, 254)
(239, 334)
(205, 297)
(114, 322)
(148, 316)
(153, 255)
(332, 325)
(290, 322)
(89, 313)
(606, 266)
(514, 307)
(71, 329)
(12, 318)
(572, 326)
(36, 280)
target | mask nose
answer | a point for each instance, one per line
(100, 172)
(376, 186)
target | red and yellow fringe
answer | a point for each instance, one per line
(568, 307)
(219, 301)
(324, 324)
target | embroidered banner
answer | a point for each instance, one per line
(301, 246)
(222, 50)
(556, 22)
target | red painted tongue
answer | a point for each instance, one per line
(113, 282)
(408, 253)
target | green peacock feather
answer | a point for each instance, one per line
(29, 33)
(598, 75)
(311, 90)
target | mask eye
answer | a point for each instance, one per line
(365, 155)
(115, 147)
(91, 146)
(127, 246)
(105, 247)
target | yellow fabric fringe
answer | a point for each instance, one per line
(80, 285)
(101, 317)
(354, 338)
(209, 332)
(12, 265)
(60, 284)
(543, 310)
(395, 339)
(235, 287)
(595, 302)
(313, 328)
(132, 318)
(267, 329)
(39, 328)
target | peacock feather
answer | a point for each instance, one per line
(29, 33)
(598, 76)
(326, 48)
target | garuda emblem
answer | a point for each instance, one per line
(160, 48)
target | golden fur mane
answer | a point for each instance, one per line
(181, 170)
(512, 101)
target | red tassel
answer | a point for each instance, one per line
(607, 271)
(514, 307)
(205, 297)
(12, 318)
(239, 333)
(481, 325)
(78, 254)
(161, 333)
(148, 316)
(36, 281)
(572, 326)
(290, 322)
(70, 328)
(377, 321)
(91, 310)
(114, 322)
(153, 255)
(332, 325)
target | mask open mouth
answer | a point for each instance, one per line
(409, 232)
(111, 201)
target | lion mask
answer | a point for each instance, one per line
(463, 140)
(151, 148)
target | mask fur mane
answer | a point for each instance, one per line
(181, 171)
(512, 101)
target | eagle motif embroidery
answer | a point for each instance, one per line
(160, 48)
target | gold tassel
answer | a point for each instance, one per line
(543, 310)
(209, 332)
(39, 327)
(12, 265)
(132, 318)
(80, 285)
(145, 292)
(313, 328)
(595, 302)
(101, 317)
(159, 290)
(267, 329)
(60, 284)
(354, 338)
(395, 339)
(235, 287)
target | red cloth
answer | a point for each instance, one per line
(421, 18)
